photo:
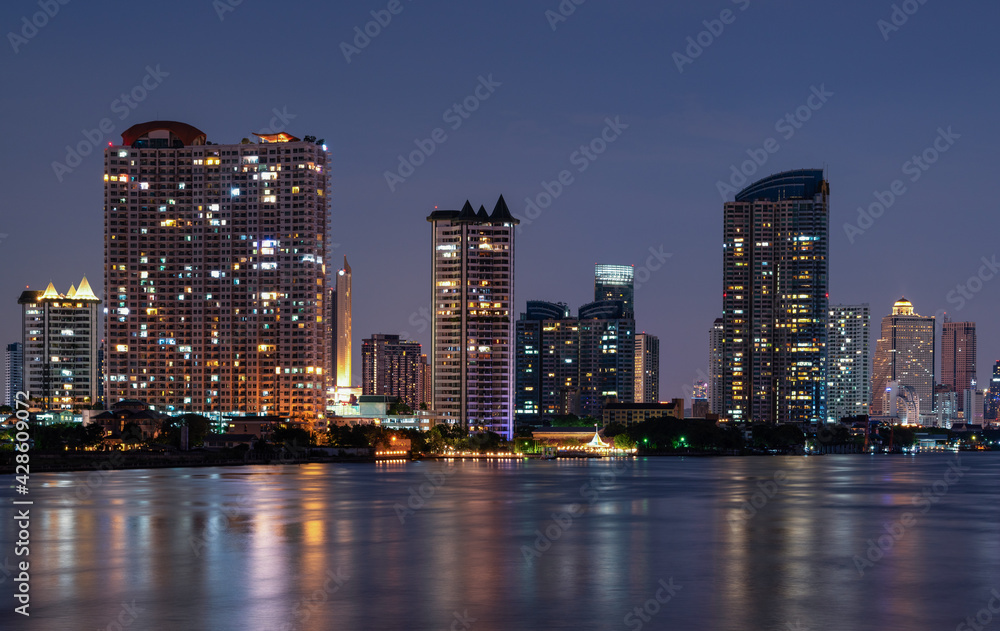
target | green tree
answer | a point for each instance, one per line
(622, 441)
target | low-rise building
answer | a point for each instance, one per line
(629, 413)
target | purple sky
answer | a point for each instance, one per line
(654, 186)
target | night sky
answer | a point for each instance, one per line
(554, 83)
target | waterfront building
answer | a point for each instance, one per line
(847, 368)
(904, 353)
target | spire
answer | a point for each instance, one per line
(501, 213)
(84, 292)
(72, 292)
(467, 214)
(347, 268)
(50, 293)
(482, 215)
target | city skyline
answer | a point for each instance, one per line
(660, 174)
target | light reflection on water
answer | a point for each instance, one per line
(267, 547)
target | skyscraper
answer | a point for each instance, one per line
(904, 353)
(390, 366)
(715, 368)
(958, 357)
(59, 345)
(14, 371)
(647, 368)
(847, 373)
(425, 383)
(993, 396)
(472, 292)
(214, 272)
(343, 327)
(775, 299)
(567, 365)
(615, 282)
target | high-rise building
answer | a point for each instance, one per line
(214, 272)
(343, 324)
(566, 365)
(615, 282)
(775, 250)
(14, 371)
(993, 396)
(647, 368)
(904, 353)
(59, 345)
(847, 372)
(425, 384)
(390, 366)
(472, 285)
(715, 368)
(958, 357)
(973, 406)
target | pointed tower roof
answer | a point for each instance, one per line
(84, 292)
(72, 292)
(501, 214)
(347, 268)
(467, 213)
(482, 215)
(50, 293)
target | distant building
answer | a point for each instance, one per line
(390, 366)
(847, 372)
(14, 371)
(615, 282)
(425, 384)
(958, 357)
(630, 413)
(904, 353)
(945, 405)
(700, 408)
(342, 322)
(715, 367)
(973, 406)
(993, 398)
(59, 342)
(775, 287)
(647, 368)
(472, 290)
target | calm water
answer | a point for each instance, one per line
(336, 546)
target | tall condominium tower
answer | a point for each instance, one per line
(425, 383)
(615, 282)
(993, 395)
(14, 371)
(59, 345)
(904, 353)
(472, 285)
(390, 366)
(775, 299)
(958, 357)
(847, 373)
(647, 368)
(715, 368)
(342, 322)
(214, 272)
